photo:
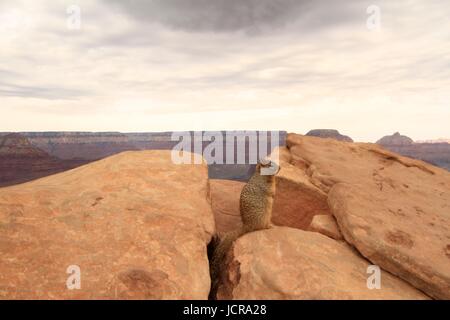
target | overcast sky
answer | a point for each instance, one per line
(166, 65)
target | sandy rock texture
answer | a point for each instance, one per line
(385, 210)
(225, 195)
(136, 224)
(287, 263)
(326, 225)
(394, 210)
(297, 200)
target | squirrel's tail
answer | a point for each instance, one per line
(220, 250)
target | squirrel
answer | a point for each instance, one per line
(256, 202)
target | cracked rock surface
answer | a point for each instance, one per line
(393, 211)
(135, 224)
(286, 263)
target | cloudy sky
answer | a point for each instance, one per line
(167, 65)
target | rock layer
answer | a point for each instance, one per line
(81, 145)
(136, 225)
(20, 161)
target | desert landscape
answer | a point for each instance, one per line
(436, 152)
(29, 155)
(225, 158)
(139, 226)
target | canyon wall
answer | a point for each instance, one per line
(436, 152)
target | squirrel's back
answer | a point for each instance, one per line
(256, 202)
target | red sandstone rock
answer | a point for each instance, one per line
(225, 195)
(297, 199)
(285, 263)
(393, 209)
(326, 225)
(136, 224)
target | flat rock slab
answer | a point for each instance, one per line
(286, 263)
(394, 210)
(135, 224)
(297, 200)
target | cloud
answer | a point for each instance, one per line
(252, 16)
(7, 73)
(227, 64)
(50, 93)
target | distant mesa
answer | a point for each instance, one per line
(30, 155)
(118, 219)
(81, 145)
(436, 152)
(435, 141)
(329, 133)
(15, 145)
(21, 161)
(395, 140)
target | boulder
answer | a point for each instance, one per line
(225, 195)
(135, 224)
(326, 225)
(297, 199)
(286, 263)
(394, 210)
